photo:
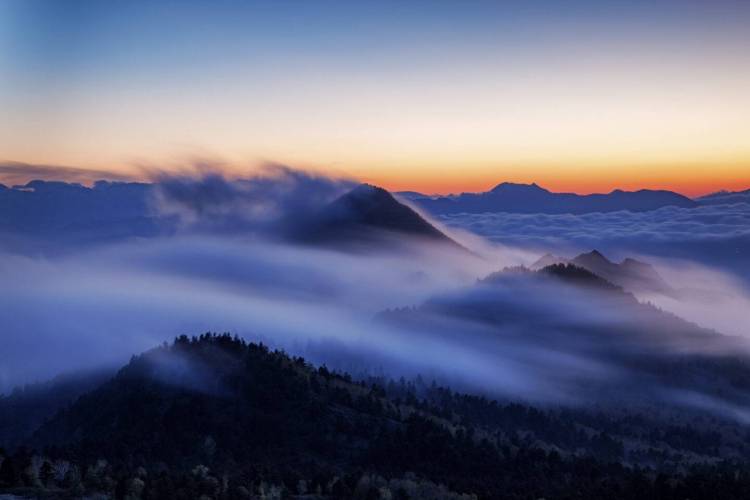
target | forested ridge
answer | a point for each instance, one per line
(216, 416)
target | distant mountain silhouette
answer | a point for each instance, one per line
(531, 198)
(60, 213)
(725, 198)
(630, 274)
(368, 214)
(564, 271)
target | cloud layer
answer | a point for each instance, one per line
(717, 235)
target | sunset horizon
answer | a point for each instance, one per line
(425, 182)
(585, 97)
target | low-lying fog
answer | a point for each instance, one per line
(104, 304)
(100, 304)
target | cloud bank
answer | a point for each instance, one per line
(716, 236)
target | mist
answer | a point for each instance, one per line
(545, 342)
(104, 304)
(227, 265)
(707, 296)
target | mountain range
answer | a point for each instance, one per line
(725, 198)
(531, 198)
(49, 216)
(59, 214)
(630, 274)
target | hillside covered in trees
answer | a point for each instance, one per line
(214, 416)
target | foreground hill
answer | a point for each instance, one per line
(26, 408)
(218, 417)
(531, 198)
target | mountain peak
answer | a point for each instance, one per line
(594, 254)
(631, 274)
(512, 187)
(364, 215)
(367, 198)
(366, 189)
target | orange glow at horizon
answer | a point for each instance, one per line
(445, 187)
(689, 179)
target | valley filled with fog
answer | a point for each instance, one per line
(235, 256)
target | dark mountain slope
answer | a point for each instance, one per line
(368, 215)
(530, 198)
(218, 417)
(26, 408)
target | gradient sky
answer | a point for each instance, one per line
(432, 96)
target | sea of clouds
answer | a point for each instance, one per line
(717, 236)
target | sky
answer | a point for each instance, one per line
(583, 96)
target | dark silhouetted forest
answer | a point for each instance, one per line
(216, 417)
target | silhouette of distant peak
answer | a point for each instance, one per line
(631, 274)
(531, 198)
(512, 187)
(39, 185)
(593, 256)
(725, 197)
